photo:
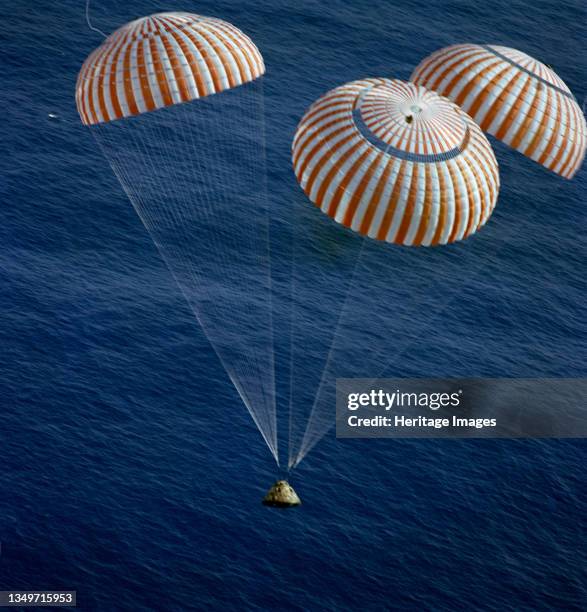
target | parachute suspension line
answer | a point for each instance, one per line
(90, 23)
(506, 233)
(310, 426)
(265, 235)
(316, 310)
(514, 229)
(256, 133)
(150, 226)
(187, 197)
(318, 427)
(265, 193)
(256, 105)
(294, 321)
(250, 101)
(290, 426)
(253, 243)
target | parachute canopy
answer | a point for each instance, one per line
(161, 60)
(515, 98)
(396, 162)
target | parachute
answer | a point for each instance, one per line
(175, 101)
(396, 162)
(514, 97)
(393, 162)
(161, 60)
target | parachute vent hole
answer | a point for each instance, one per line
(409, 118)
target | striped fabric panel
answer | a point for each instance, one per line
(394, 184)
(515, 98)
(164, 59)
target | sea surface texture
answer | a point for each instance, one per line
(130, 470)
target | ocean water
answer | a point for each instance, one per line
(131, 472)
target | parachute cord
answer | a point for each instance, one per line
(310, 441)
(90, 23)
(153, 151)
(311, 424)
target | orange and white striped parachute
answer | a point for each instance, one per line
(164, 59)
(396, 162)
(192, 170)
(515, 98)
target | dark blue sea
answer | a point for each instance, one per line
(130, 470)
